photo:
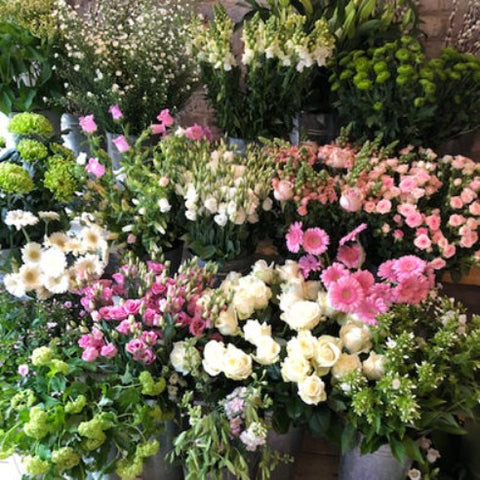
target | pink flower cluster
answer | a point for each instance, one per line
(139, 307)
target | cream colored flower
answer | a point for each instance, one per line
(327, 353)
(311, 289)
(302, 315)
(20, 219)
(356, 337)
(93, 238)
(53, 262)
(290, 270)
(30, 276)
(58, 284)
(345, 365)
(226, 323)
(304, 344)
(43, 294)
(32, 253)
(184, 357)
(49, 216)
(374, 366)
(259, 292)
(295, 369)
(213, 357)
(325, 305)
(237, 365)
(253, 330)
(312, 390)
(14, 285)
(263, 271)
(59, 240)
(268, 350)
(88, 265)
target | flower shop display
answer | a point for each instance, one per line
(414, 202)
(134, 201)
(134, 55)
(36, 178)
(223, 195)
(393, 91)
(259, 93)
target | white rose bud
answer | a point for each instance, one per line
(213, 357)
(237, 365)
(374, 366)
(355, 337)
(312, 390)
(268, 350)
(295, 369)
(226, 323)
(302, 315)
(345, 365)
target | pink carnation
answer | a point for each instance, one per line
(294, 237)
(315, 241)
(346, 294)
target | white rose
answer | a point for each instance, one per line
(267, 204)
(290, 270)
(213, 357)
(243, 305)
(268, 350)
(184, 357)
(355, 337)
(345, 365)
(237, 365)
(327, 353)
(288, 298)
(211, 204)
(304, 344)
(325, 305)
(164, 205)
(312, 390)
(231, 281)
(263, 271)
(311, 289)
(226, 323)
(374, 366)
(302, 315)
(295, 369)
(253, 330)
(259, 293)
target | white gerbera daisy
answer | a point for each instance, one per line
(74, 246)
(58, 284)
(14, 285)
(53, 263)
(20, 219)
(88, 265)
(49, 216)
(32, 253)
(30, 276)
(93, 238)
(58, 240)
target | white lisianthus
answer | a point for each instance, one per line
(82, 158)
(345, 365)
(237, 365)
(164, 205)
(14, 285)
(32, 253)
(226, 323)
(220, 219)
(253, 330)
(312, 390)
(267, 204)
(268, 350)
(184, 357)
(211, 204)
(374, 366)
(356, 338)
(304, 344)
(53, 262)
(302, 315)
(191, 215)
(213, 357)
(239, 217)
(295, 369)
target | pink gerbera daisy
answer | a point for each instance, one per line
(365, 279)
(351, 256)
(308, 263)
(333, 273)
(386, 271)
(408, 265)
(353, 234)
(412, 290)
(370, 308)
(346, 294)
(315, 241)
(294, 237)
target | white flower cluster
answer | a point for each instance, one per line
(254, 436)
(48, 269)
(227, 187)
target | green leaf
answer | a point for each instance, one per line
(398, 449)
(348, 439)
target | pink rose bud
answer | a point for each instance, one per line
(158, 128)
(195, 132)
(95, 168)
(351, 200)
(165, 117)
(109, 350)
(23, 370)
(121, 144)
(90, 354)
(283, 191)
(131, 239)
(88, 124)
(115, 112)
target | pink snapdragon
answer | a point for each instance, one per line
(195, 132)
(158, 128)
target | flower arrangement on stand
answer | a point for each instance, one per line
(134, 55)
(259, 94)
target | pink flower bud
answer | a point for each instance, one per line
(95, 167)
(88, 124)
(165, 117)
(115, 112)
(121, 144)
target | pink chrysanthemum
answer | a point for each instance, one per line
(346, 294)
(351, 256)
(294, 237)
(333, 273)
(386, 271)
(353, 234)
(408, 265)
(315, 241)
(308, 263)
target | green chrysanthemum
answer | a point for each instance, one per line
(15, 179)
(59, 178)
(32, 150)
(30, 124)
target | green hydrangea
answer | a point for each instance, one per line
(65, 458)
(65, 152)
(42, 356)
(59, 178)
(6, 452)
(32, 150)
(37, 426)
(149, 386)
(35, 465)
(77, 405)
(147, 449)
(129, 469)
(15, 179)
(30, 124)
(23, 399)
(93, 430)
(59, 366)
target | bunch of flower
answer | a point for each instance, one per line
(60, 263)
(37, 175)
(421, 375)
(414, 203)
(278, 61)
(134, 55)
(133, 200)
(60, 414)
(433, 101)
(223, 194)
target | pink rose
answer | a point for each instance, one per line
(456, 220)
(449, 251)
(433, 222)
(341, 158)
(90, 354)
(468, 195)
(165, 117)
(351, 199)
(414, 219)
(283, 191)
(195, 132)
(398, 234)
(121, 144)
(88, 124)
(131, 239)
(384, 206)
(95, 167)
(158, 128)
(115, 111)
(469, 240)
(438, 263)
(456, 202)
(422, 242)
(109, 350)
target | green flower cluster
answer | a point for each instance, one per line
(129, 469)
(31, 124)
(37, 426)
(65, 458)
(14, 179)
(42, 356)
(32, 150)
(35, 465)
(150, 386)
(93, 430)
(77, 405)
(60, 179)
(23, 399)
